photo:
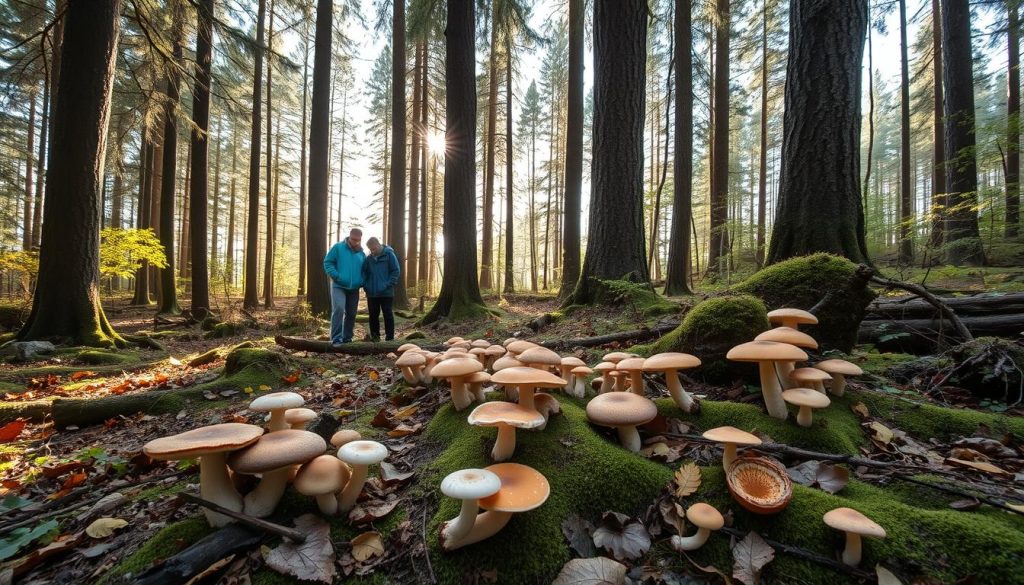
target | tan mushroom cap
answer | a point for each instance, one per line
(703, 515)
(522, 489)
(806, 397)
(581, 371)
(573, 361)
(766, 351)
(505, 362)
(276, 400)
(519, 346)
(522, 375)
(299, 415)
(455, 351)
(454, 340)
(613, 409)
(671, 360)
(632, 364)
(407, 347)
(850, 520)
(203, 441)
(604, 367)
(480, 377)
(508, 341)
(617, 356)
(481, 343)
(323, 475)
(276, 450)
(731, 435)
(788, 335)
(809, 375)
(496, 350)
(540, 355)
(411, 359)
(839, 367)
(793, 316)
(455, 367)
(345, 436)
(491, 414)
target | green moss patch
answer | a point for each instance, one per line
(99, 357)
(927, 420)
(163, 544)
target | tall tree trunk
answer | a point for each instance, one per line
(66, 302)
(252, 233)
(168, 289)
(718, 246)
(301, 290)
(143, 213)
(154, 207)
(229, 252)
(268, 257)
(509, 285)
(117, 192)
(615, 241)
(198, 192)
(37, 204)
(762, 179)
(871, 121)
(963, 244)
(26, 223)
(411, 260)
(424, 258)
(938, 202)
(1012, 227)
(215, 224)
(677, 274)
(396, 215)
(533, 208)
(318, 291)
(490, 145)
(184, 225)
(906, 253)
(652, 255)
(460, 293)
(819, 206)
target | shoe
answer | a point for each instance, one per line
(335, 344)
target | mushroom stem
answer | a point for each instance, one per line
(277, 422)
(485, 526)
(629, 437)
(425, 373)
(579, 386)
(620, 383)
(728, 455)
(409, 375)
(819, 386)
(685, 543)
(215, 485)
(852, 552)
(526, 395)
(511, 392)
(681, 397)
(348, 496)
(328, 503)
(838, 384)
(607, 384)
(804, 417)
(476, 391)
(506, 443)
(783, 370)
(771, 391)
(636, 382)
(461, 397)
(261, 501)
(456, 529)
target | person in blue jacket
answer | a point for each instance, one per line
(380, 275)
(344, 264)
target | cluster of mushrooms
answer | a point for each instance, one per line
(285, 454)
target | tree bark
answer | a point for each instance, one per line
(268, 256)
(573, 152)
(424, 259)
(509, 285)
(411, 268)
(26, 223)
(66, 302)
(906, 252)
(718, 245)
(1012, 227)
(301, 289)
(762, 178)
(198, 192)
(168, 285)
(396, 213)
(460, 292)
(318, 289)
(678, 270)
(229, 252)
(615, 241)
(938, 201)
(819, 205)
(490, 147)
(252, 233)
(963, 242)
(37, 204)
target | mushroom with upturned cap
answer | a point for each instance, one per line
(855, 525)
(360, 455)
(455, 370)
(298, 417)
(624, 411)
(706, 518)
(839, 369)
(810, 377)
(759, 484)
(276, 403)
(210, 444)
(273, 455)
(468, 485)
(634, 368)
(806, 400)
(411, 363)
(787, 317)
(792, 337)
(730, 437)
(547, 405)
(766, 353)
(527, 380)
(579, 377)
(507, 417)
(669, 364)
(322, 478)
(522, 489)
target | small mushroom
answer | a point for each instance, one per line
(839, 369)
(276, 403)
(480, 343)
(765, 354)
(730, 437)
(475, 384)
(669, 364)
(792, 337)
(411, 363)
(344, 436)
(810, 377)
(493, 353)
(454, 340)
(760, 484)
(807, 400)
(634, 368)
(547, 405)
(579, 377)
(507, 417)
(468, 485)
(855, 525)
(522, 489)
(791, 317)
(480, 354)
(617, 356)
(297, 418)
(211, 445)
(541, 358)
(519, 346)
(455, 370)
(706, 518)
(406, 347)
(322, 478)
(274, 455)
(360, 455)
(526, 380)
(607, 382)
(624, 411)
(565, 370)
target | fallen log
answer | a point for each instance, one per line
(921, 336)
(180, 568)
(354, 348)
(83, 412)
(635, 335)
(943, 309)
(911, 308)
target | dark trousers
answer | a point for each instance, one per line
(375, 305)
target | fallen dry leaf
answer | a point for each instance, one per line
(366, 546)
(750, 555)
(104, 527)
(687, 479)
(312, 560)
(624, 537)
(404, 430)
(390, 475)
(881, 432)
(595, 571)
(861, 410)
(370, 511)
(979, 465)
(406, 412)
(11, 430)
(579, 533)
(885, 576)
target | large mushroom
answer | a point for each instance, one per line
(507, 417)
(669, 364)
(210, 444)
(274, 455)
(276, 403)
(519, 346)
(806, 400)
(411, 363)
(322, 478)
(839, 369)
(456, 370)
(855, 525)
(527, 380)
(788, 317)
(360, 455)
(730, 437)
(624, 411)
(792, 337)
(706, 519)
(765, 354)
(634, 368)
(547, 405)
(468, 485)
(522, 489)
(541, 358)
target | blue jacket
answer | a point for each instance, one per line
(345, 266)
(380, 273)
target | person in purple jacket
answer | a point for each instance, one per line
(344, 264)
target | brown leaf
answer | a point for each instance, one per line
(687, 479)
(390, 475)
(370, 511)
(11, 430)
(595, 571)
(860, 410)
(579, 534)
(831, 478)
(366, 546)
(979, 465)
(965, 505)
(383, 420)
(750, 555)
(624, 537)
(404, 430)
(313, 560)
(673, 515)
(406, 412)
(82, 375)
(880, 432)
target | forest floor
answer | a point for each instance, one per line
(56, 483)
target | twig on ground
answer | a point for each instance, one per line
(284, 531)
(809, 556)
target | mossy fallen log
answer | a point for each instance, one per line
(921, 336)
(182, 567)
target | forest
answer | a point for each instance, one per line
(672, 291)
